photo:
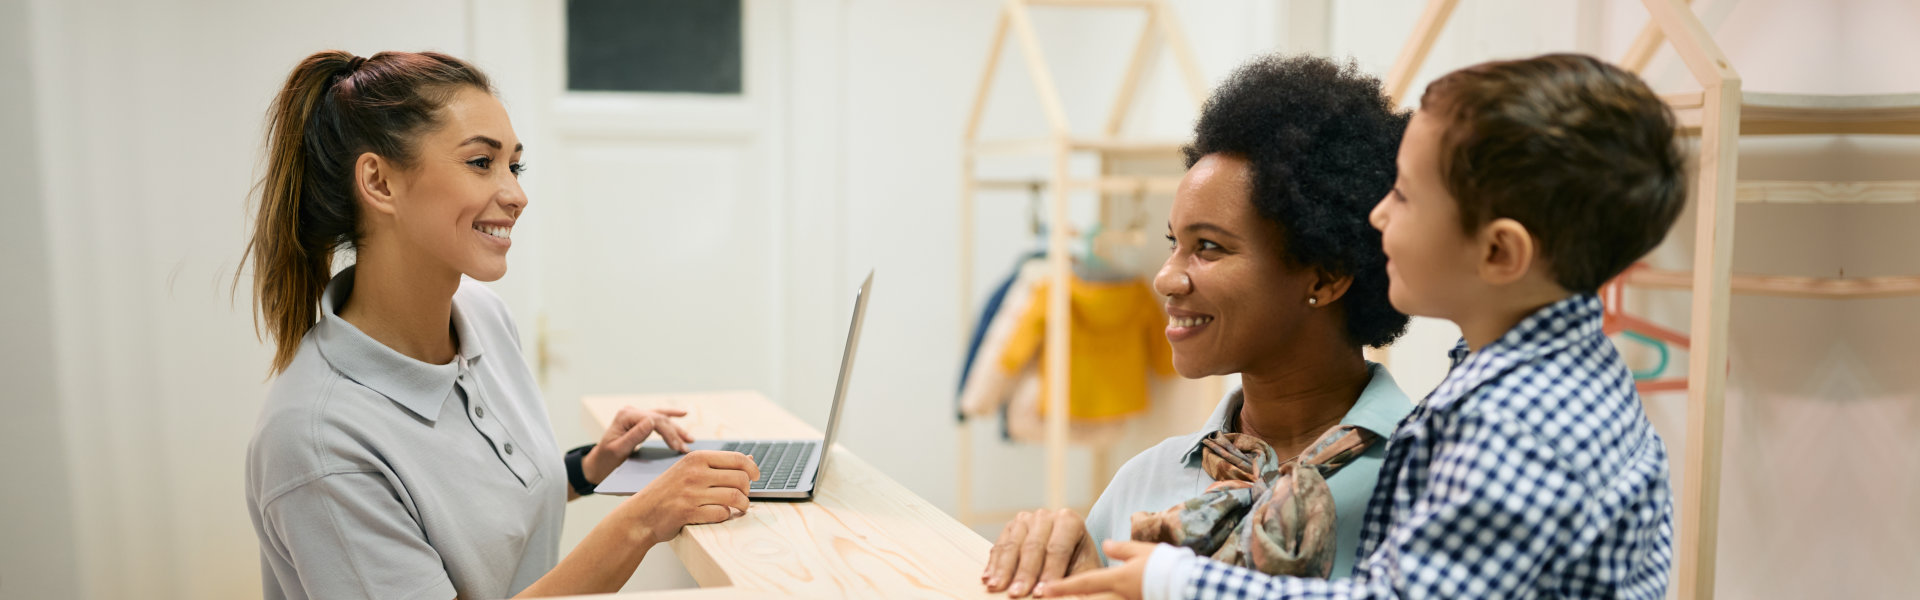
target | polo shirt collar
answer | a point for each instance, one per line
(420, 387)
(1379, 409)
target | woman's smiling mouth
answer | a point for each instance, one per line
(1184, 325)
(500, 235)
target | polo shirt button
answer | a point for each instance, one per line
(480, 412)
(509, 448)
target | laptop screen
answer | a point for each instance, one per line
(846, 372)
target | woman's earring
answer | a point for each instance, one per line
(1313, 301)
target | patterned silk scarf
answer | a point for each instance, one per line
(1279, 523)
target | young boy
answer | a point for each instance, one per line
(1532, 470)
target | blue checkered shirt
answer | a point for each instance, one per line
(1531, 472)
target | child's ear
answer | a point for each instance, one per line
(376, 182)
(1328, 287)
(1507, 251)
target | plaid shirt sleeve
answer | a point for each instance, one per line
(1497, 508)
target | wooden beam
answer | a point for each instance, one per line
(1176, 36)
(1718, 173)
(1692, 41)
(1130, 83)
(1135, 147)
(1828, 192)
(1834, 128)
(1009, 185)
(1819, 288)
(1787, 114)
(1105, 184)
(1128, 184)
(1093, 3)
(969, 186)
(1022, 24)
(1127, 146)
(1641, 50)
(1059, 336)
(1719, 130)
(974, 115)
(1014, 146)
(1684, 100)
(1707, 363)
(1686, 111)
(1419, 43)
(1816, 114)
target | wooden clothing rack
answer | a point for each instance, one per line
(1719, 114)
(1060, 145)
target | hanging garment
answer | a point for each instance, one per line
(986, 387)
(1118, 341)
(1022, 421)
(996, 301)
(1271, 516)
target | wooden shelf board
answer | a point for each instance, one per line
(1171, 148)
(1111, 184)
(1829, 192)
(1093, 3)
(1764, 113)
(1793, 287)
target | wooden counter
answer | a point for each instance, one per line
(863, 536)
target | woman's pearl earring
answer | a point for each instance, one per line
(1313, 301)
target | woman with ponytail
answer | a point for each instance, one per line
(404, 450)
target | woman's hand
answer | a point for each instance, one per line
(1037, 548)
(708, 486)
(1123, 581)
(630, 427)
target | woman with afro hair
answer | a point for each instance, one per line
(1274, 274)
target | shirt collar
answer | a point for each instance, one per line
(1551, 328)
(1379, 409)
(420, 387)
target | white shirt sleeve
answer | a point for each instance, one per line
(1169, 571)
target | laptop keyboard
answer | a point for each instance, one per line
(781, 463)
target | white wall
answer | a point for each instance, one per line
(37, 558)
(141, 379)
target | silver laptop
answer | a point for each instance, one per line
(789, 469)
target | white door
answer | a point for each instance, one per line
(647, 259)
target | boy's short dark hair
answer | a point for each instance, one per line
(1580, 152)
(1320, 139)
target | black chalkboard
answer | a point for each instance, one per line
(654, 46)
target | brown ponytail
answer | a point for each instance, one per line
(334, 107)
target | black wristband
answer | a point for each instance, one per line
(576, 475)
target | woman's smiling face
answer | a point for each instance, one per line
(462, 192)
(1232, 297)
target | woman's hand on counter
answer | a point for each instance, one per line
(1038, 548)
(707, 486)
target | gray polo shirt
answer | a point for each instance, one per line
(1169, 473)
(374, 475)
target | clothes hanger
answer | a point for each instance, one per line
(1658, 346)
(1129, 248)
(1616, 321)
